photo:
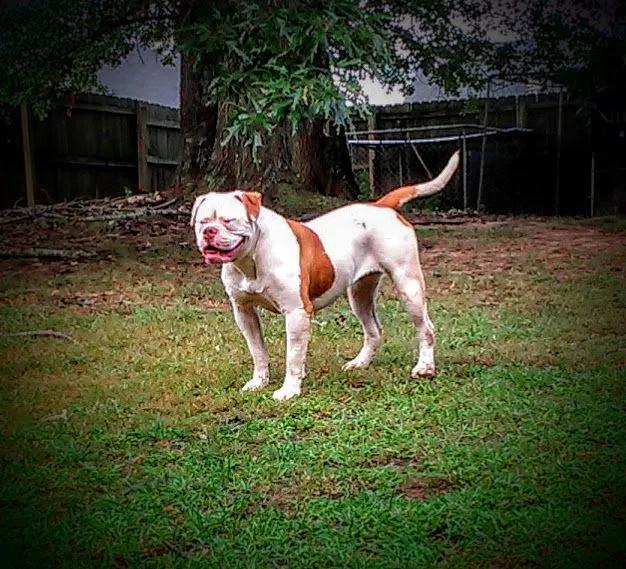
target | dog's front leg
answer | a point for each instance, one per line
(297, 324)
(248, 321)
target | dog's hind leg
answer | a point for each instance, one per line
(409, 282)
(362, 297)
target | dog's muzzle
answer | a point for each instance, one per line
(217, 253)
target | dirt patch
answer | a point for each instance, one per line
(386, 461)
(424, 488)
(287, 498)
(110, 284)
(563, 251)
(482, 248)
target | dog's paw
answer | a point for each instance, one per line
(356, 363)
(286, 392)
(255, 383)
(423, 370)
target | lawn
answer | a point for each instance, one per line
(134, 447)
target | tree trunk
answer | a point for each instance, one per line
(198, 124)
(322, 162)
(309, 160)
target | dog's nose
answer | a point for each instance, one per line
(210, 232)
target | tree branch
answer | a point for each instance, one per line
(42, 333)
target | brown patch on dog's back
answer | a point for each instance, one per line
(316, 271)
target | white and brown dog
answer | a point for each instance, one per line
(297, 268)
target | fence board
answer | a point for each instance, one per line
(90, 149)
(142, 148)
(29, 167)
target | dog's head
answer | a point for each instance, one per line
(225, 224)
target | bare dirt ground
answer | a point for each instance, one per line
(463, 245)
(556, 246)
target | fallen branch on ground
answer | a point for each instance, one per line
(42, 333)
(451, 221)
(116, 209)
(46, 253)
(14, 219)
(165, 204)
(59, 417)
(136, 214)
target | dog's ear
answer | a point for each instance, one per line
(252, 202)
(194, 209)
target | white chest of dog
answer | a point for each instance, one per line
(297, 268)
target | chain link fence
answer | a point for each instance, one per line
(386, 159)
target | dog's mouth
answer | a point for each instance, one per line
(215, 254)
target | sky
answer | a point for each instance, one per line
(142, 76)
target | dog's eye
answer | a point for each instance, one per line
(228, 220)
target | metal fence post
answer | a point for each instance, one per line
(464, 146)
(400, 156)
(593, 185)
(371, 154)
(483, 149)
(559, 137)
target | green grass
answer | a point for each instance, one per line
(514, 456)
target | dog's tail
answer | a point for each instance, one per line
(399, 196)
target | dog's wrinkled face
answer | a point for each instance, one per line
(225, 224)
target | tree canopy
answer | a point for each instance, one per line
(288, 61)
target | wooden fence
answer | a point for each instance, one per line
(105, 146)
(99, 146)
